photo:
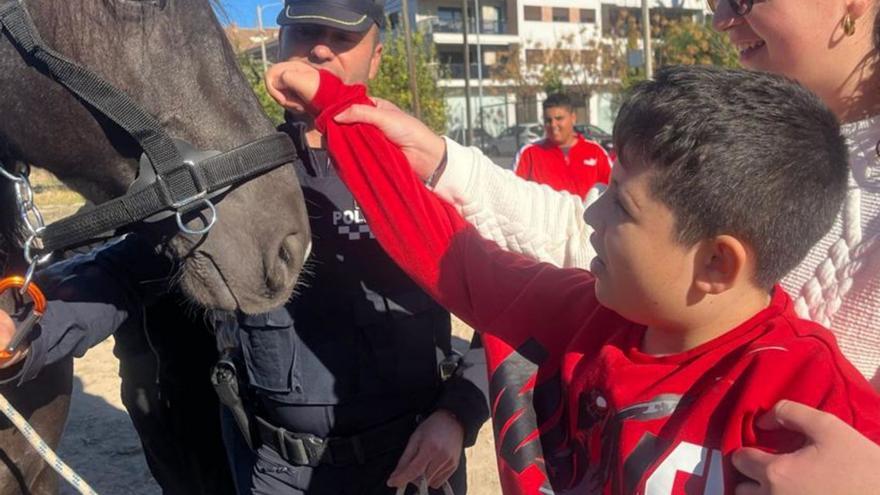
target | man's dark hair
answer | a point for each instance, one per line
(558, 100)
(738, 152)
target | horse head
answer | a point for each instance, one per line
(173, 59)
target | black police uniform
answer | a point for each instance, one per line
(353, 358)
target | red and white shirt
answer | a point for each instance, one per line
(577, 408)
(585, 164)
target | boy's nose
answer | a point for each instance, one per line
(593, 202)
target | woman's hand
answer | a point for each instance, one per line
(835, 459)
(422, 147)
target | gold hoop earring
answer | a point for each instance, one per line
(849, 25)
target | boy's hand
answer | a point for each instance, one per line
(836, 458)
(422, 147)
(7, 330)
(293, 84)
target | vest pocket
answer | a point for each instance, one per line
(269, 350)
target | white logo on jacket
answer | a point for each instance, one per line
(351, 223)
(590, 162)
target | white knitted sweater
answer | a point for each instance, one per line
(836, 285)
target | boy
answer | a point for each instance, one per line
(644, 374)
(563, 160)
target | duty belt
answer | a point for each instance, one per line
(302, 449)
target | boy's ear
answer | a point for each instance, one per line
(721, 262)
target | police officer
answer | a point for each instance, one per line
(342, 390)
(344, 385)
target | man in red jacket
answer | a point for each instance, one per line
(563, 160)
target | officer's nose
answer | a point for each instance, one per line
(321, 53)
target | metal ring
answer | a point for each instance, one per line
(204, 230)
(38, 219)
(24, 194)
(39, 260)
(11, 176)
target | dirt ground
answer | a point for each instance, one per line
(100, 443)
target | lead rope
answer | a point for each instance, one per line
(45, 452)
(33, 222)
(422, 484)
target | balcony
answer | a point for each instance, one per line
(456, 70)
(455, 26)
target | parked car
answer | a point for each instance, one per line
(482, 139)
(515, 137)
(598, 135)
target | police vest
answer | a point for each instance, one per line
(357, 328)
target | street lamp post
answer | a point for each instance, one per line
(260, 9)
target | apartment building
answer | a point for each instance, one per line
(530, 29)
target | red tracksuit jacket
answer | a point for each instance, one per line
(545, 163)
(577, 408)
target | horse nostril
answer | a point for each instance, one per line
(284, 254)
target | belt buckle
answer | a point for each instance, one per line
(316, 449)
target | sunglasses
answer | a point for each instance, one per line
(739, 7)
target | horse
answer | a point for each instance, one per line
(172, 58)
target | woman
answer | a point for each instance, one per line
(830, 46)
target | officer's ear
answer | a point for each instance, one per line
(378, 47)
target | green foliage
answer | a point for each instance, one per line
(392, 82)
(551, 79)
(253, 71)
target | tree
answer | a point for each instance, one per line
(392, 82)
(688, 42)
(253, 72)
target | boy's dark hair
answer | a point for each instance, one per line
(738, 152)
(558, 100)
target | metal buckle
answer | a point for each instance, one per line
(190, 167)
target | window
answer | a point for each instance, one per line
(560, 14)
(448, 20)
(588, 16)
(532, 13)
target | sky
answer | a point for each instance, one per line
(244, 12)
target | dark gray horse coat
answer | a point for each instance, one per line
(172, 58)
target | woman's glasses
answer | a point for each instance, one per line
(739, 7)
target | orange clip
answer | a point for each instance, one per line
(17, 282)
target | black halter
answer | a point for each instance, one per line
(174, 178)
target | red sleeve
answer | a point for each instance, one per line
(493, 290)
(524, 165)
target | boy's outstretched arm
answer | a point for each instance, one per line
(494, 291)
